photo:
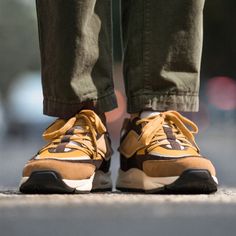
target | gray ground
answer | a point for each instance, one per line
(118, 214)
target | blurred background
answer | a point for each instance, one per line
(21, 119)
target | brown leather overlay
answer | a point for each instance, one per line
(156, 166)
(136, 161)
(171, 138)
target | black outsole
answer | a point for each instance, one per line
(46, 182)
(101, 190)
(191, 181)
(50, 182)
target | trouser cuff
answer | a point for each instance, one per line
(182, 103)
(62, 109)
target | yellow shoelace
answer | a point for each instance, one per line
(153, 134)
(90, 123)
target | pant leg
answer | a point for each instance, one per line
(76, 54)
(162, 42)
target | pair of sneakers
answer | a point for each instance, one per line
(158, 154)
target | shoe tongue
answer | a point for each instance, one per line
(146, 114)
(80, 124)
(174, 143)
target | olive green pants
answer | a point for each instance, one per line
(162, 44)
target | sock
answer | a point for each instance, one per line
(144, 114)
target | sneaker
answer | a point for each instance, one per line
(76, 159)
(158, 154)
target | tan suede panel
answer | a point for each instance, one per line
(101, 143)
(166, 168)
(73, 171)
(161, 151)
(130, 144)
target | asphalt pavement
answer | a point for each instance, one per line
(118, 214)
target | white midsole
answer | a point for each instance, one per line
(80, 185)
(215, 179)
(99, 180)
(137, 179)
